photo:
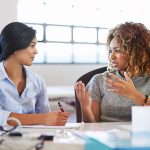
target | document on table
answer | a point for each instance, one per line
(67, 126)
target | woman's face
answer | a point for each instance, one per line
(27, 55)
(116, 56)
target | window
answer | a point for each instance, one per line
(88, 35)
(58, 33)
(75, 31)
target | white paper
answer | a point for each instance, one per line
(67, 126)
(141, 118)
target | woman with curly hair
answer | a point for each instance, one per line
(109, 96)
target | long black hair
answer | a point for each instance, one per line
(15, 36)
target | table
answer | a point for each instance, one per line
(29, 139)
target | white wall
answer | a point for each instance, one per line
(54, 75)
(8, 12)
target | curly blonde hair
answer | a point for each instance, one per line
(134, 41)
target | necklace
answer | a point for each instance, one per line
(119, 75)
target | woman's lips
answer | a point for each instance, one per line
(114, 64)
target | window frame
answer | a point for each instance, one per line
(72, 41)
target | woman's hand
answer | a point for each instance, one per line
(85, 102)
(82, 94)
(124, 87)
(55, 118)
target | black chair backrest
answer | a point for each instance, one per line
(85, 79)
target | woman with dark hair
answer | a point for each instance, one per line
(110, 96)
(23, 94)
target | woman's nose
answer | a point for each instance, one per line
(36, 52)
(112, 55)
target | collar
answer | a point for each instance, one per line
(120, 75)
(3, 74)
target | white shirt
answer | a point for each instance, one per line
(34, 98)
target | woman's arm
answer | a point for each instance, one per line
(51, 118)
(90, 109)
(96, 109)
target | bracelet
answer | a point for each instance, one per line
(146, 99)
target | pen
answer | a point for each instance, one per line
(61, 107)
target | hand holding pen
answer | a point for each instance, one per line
(61, 107)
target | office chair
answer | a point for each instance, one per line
(85, 79)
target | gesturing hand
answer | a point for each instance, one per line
(123, 87)
(82, 94)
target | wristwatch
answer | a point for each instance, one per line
(146, 99)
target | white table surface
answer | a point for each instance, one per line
(30, 135)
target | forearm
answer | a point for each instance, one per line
(87, 115)
(138, 97)
(27, 119)
(141, 99)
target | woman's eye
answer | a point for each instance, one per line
(110, 51)
(117, 50)
(32, 45)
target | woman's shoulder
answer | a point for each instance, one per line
(144, 80)
(101, 75)
(98, 77)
